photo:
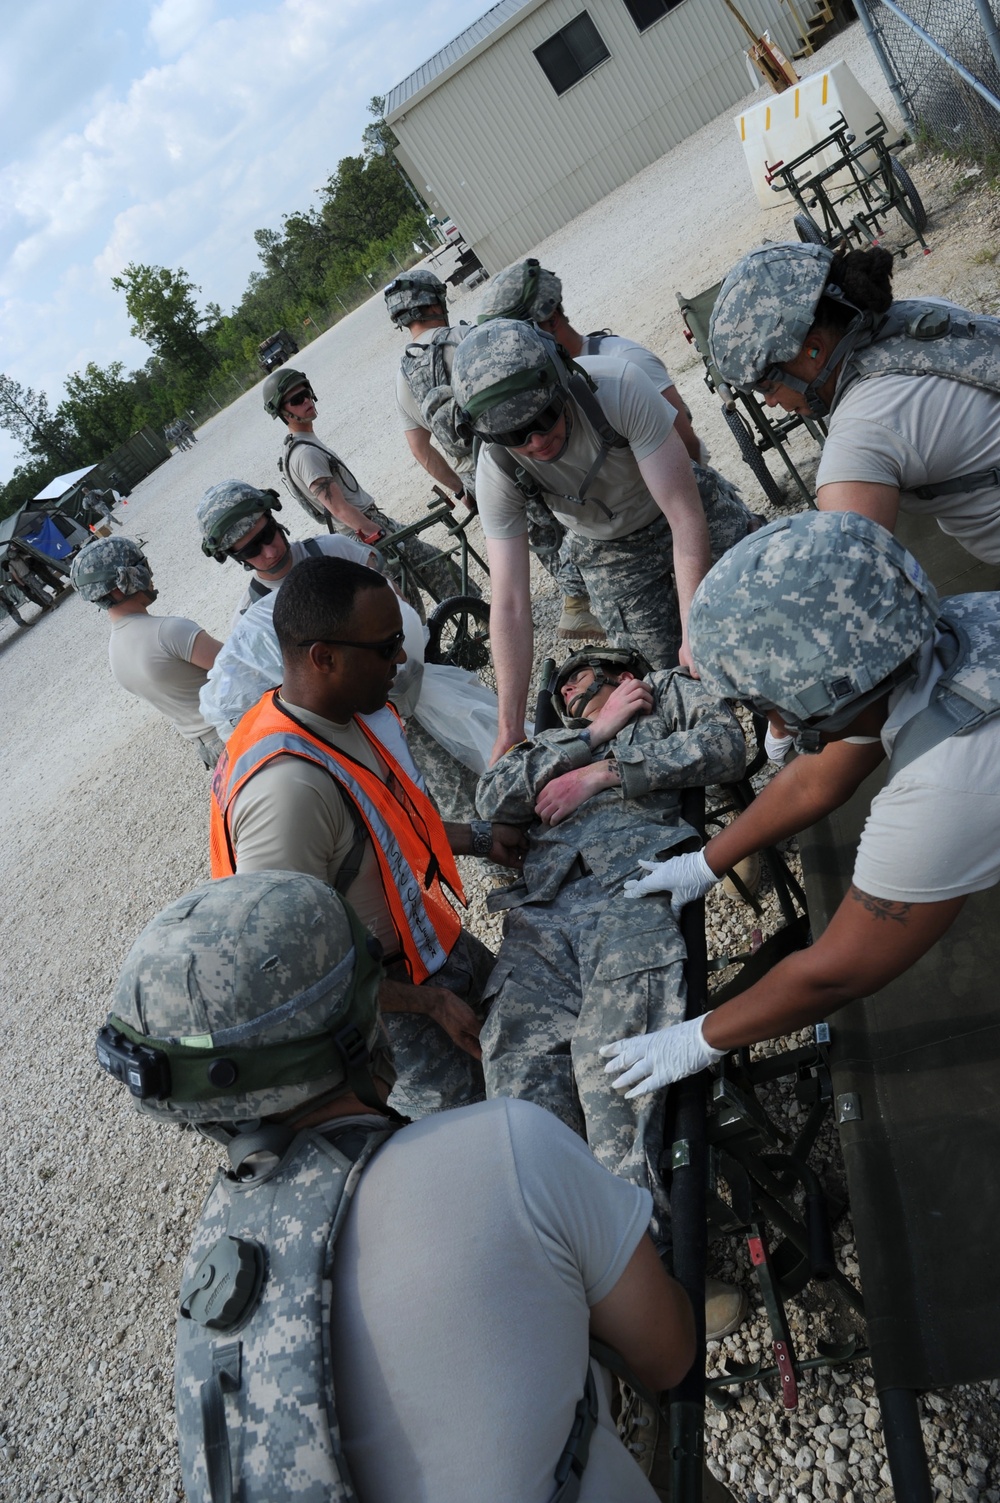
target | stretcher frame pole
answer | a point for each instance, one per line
(688, 1219)
(904, 1445)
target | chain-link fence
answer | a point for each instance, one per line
(942, 61)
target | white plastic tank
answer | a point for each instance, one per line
(782, 126)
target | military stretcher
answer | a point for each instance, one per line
(754, 426)
(912, 1078)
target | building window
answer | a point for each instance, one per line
(645, 12)
(572, 53)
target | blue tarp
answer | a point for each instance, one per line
(48, 539)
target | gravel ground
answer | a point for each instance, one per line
(105, 813)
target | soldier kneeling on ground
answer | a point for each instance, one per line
(477, 1251)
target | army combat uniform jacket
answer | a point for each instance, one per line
(690, 739)
(580, 963)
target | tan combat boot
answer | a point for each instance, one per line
(577, 624)
(748, 871)
(725, 1308)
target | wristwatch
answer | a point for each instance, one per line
(482, 837)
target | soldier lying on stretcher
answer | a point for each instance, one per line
(579, 963)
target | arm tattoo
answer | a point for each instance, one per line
(882, 908)
(325, 486)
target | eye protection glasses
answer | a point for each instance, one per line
(387, 649)
(542, 423)
(250, 550)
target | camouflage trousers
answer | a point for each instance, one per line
(450, 783)
(549, 542)
(585, 969)
(631, 582)
(209, 748)
(434, 1073)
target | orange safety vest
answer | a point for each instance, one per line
(406, 832)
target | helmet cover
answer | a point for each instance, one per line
(406, 295)
(811, 616)
(524, 290)
(227, 511)
(244, 986)
(765, 309)
(508, 369)
(109, 564)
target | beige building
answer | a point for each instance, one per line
(542, 107)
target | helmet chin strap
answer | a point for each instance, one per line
(576, 706)
(861, 325)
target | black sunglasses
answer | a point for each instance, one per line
(250, 550)
(298, 397)
(387, 649)
(542, 423)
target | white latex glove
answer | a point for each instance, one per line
(686, 877)
(650, 1061)
(777, 747)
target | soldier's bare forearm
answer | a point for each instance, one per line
(329, 494)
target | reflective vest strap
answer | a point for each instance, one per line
(421, 806)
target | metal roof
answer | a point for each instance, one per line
(465, 42)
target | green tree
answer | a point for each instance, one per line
(99, 405)
(363, 201)
(25, 483)
(44, 435)
(379, 140)
(161, 305)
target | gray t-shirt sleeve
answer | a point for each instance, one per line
(632, 353)
(502, 510)
(588, 1221)
(177, 636)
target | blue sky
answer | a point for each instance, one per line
(168, 133)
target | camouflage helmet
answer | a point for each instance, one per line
(525, 290)
(228, 510)
(406, 295)
(277, 386)
(618, 659)
(765, 309)
(814, 616)
(509, 370)
(250, 996)
(109, 564)
(764, 313)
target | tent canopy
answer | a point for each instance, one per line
(62, 483)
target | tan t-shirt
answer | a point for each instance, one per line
(292, 816)
(308, 459)
(150, 656)
(635, 409)
(910, 431)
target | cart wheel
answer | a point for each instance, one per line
(460, 635)
(913, 199)
(753, 457)
(807, 230)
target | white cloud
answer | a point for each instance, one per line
(175, 24)
(248, 107)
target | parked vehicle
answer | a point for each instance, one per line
(276, 349)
